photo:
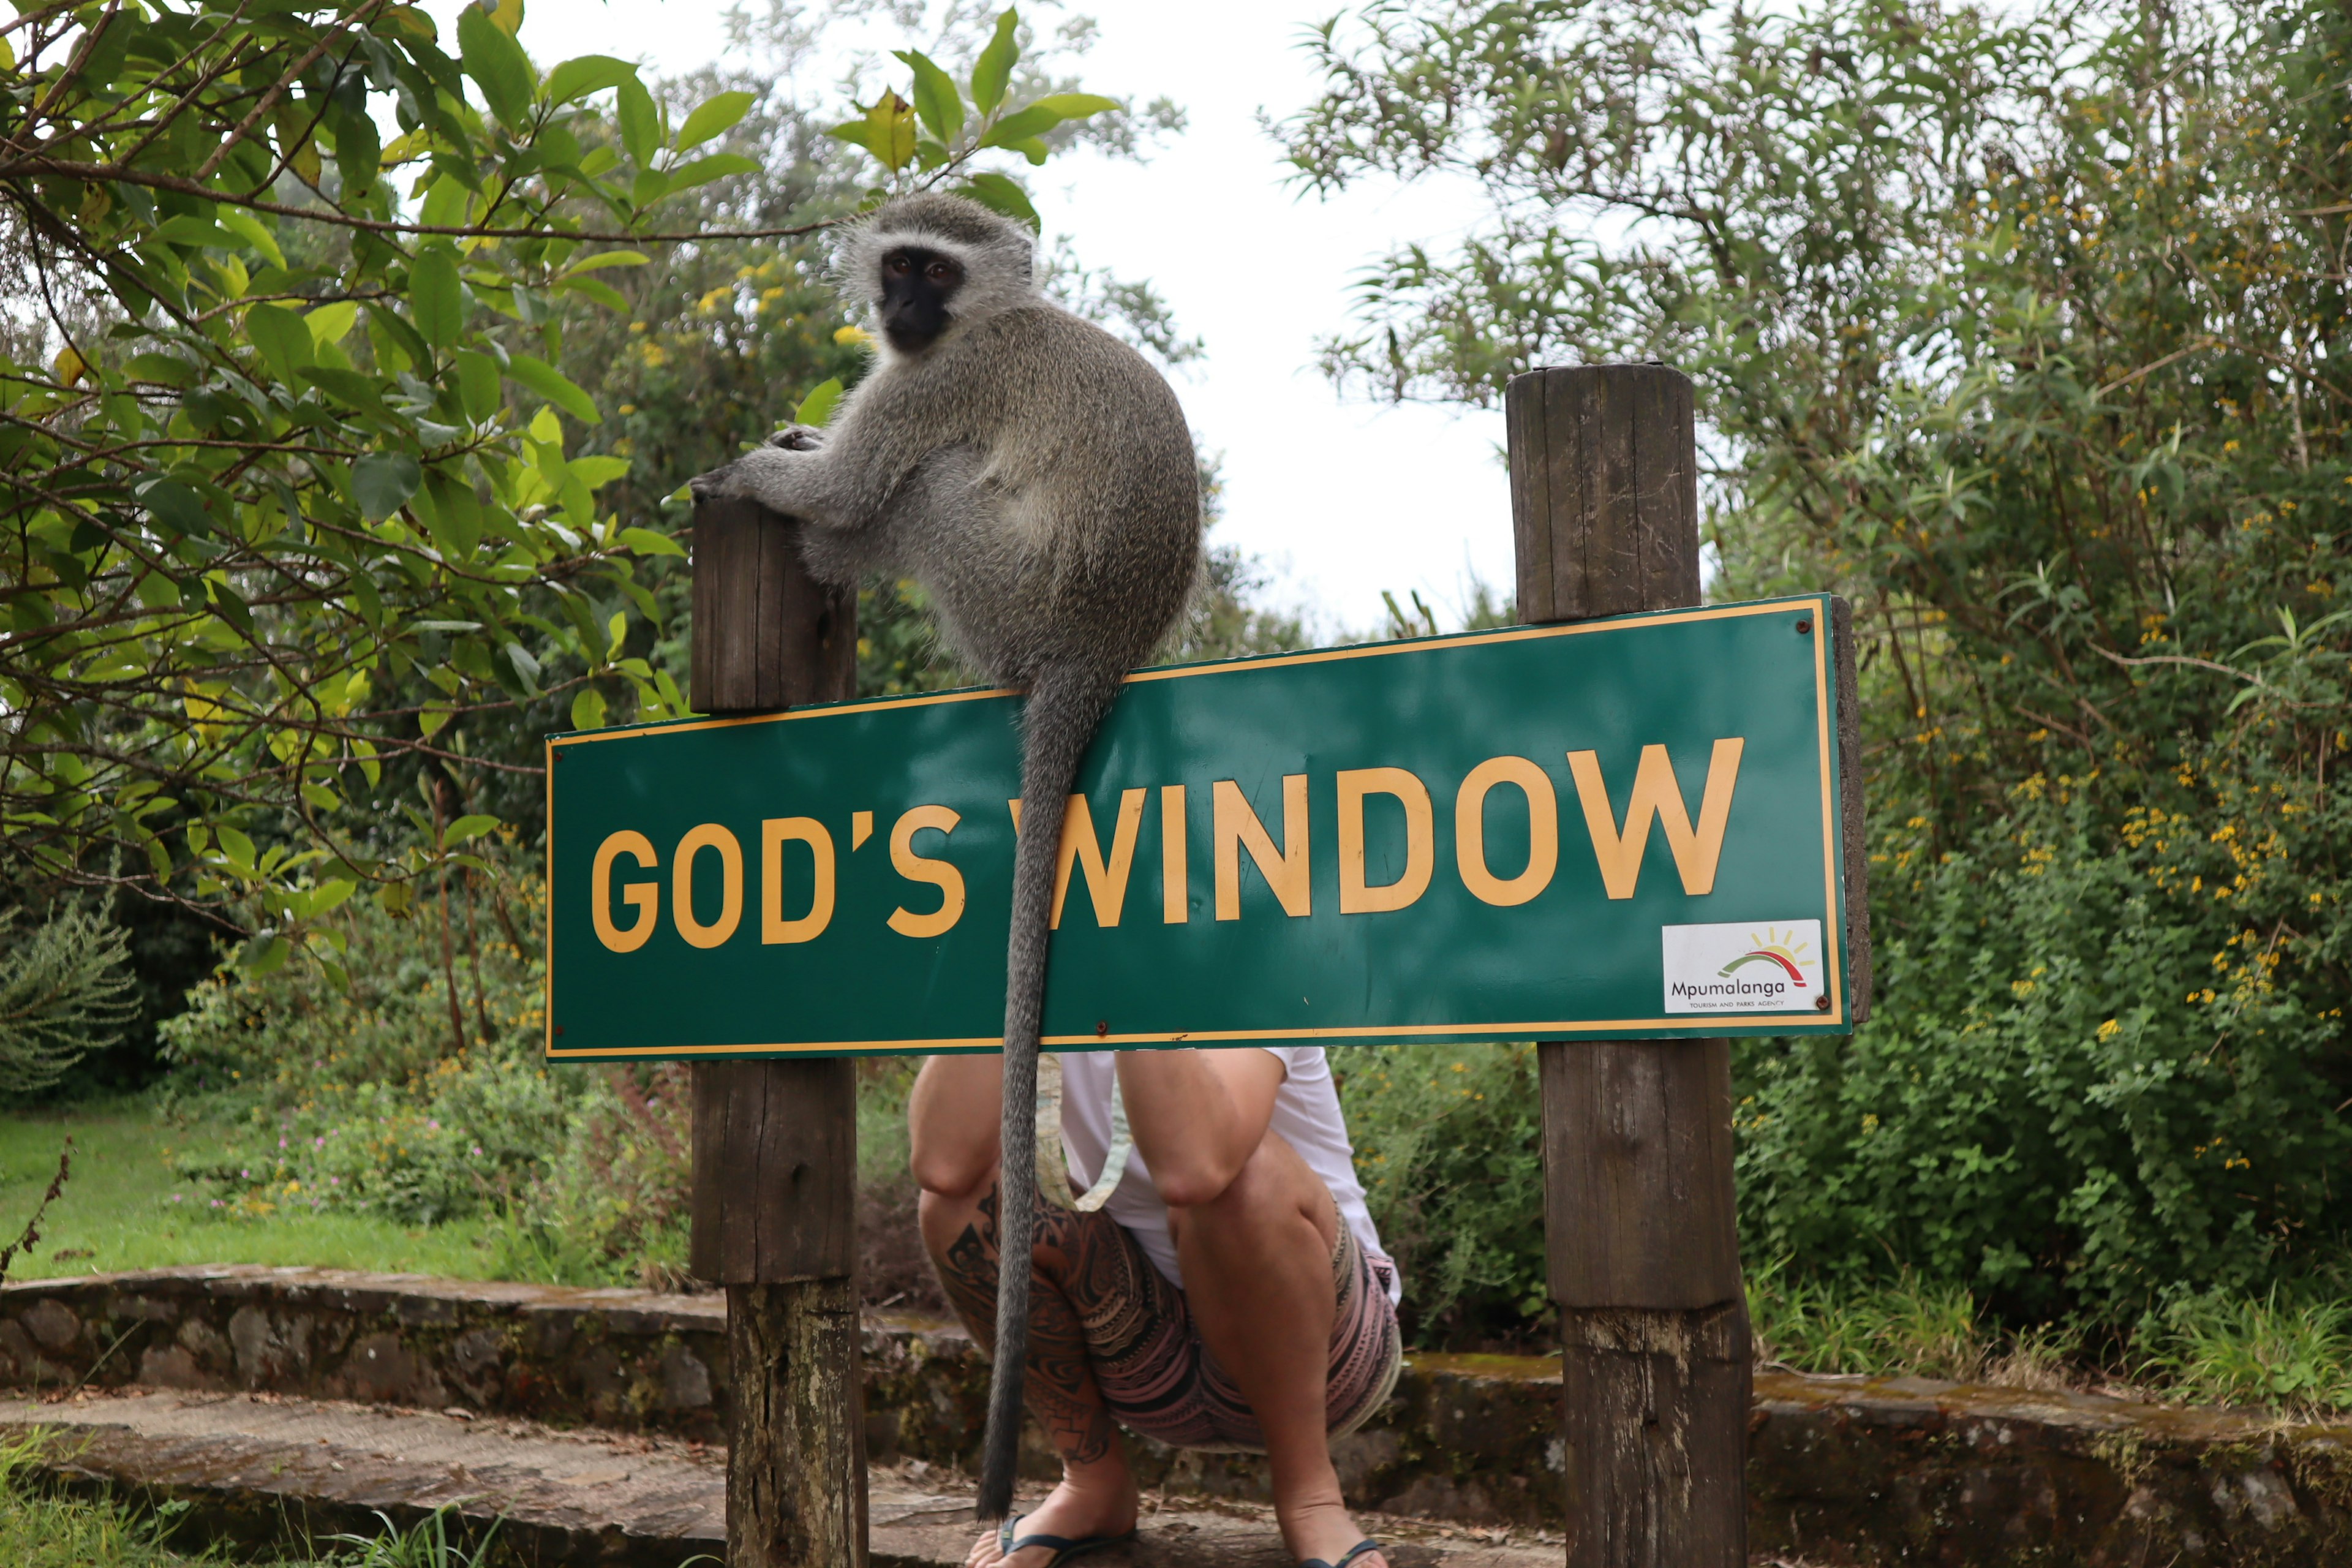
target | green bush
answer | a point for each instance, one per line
(2089, 1082)
(420, 1094)
(1447, 1146)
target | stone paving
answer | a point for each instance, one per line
(257, 1470)
(1841, 1470)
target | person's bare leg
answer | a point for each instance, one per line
(1097, 1495)
(1257, 1276)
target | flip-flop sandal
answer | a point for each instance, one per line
(1062, 1547)
(1354, 1551)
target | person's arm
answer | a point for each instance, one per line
(953, 1123)
(1197, 1115)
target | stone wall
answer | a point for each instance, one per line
(1841, 1469)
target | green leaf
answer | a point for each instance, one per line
(478, 385)
(433, 296)
(250, 229)
(1020, 126)
(235, 846)
(713, 118)
(645, 542)
(576, 78)
(188, 230)
(164, 369)
(283, 339)
(817, 406)
(600, 259)
(329, 323)
(595, 472)
(640, 121)
(348, 387)
(467, 829)
(702, 171)
(330, 894)
(497, 65)
(936, 98)
(995, 65)
(887, 131)
(175, 506)
(588, 708)
(595, 288)
(382, 483)
(550, 384)
(1001, 193)
(1077, 105)
(444, 204)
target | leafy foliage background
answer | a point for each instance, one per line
(2022, 327)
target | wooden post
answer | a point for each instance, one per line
(1639, 1224)
(775, 1143)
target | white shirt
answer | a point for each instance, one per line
(1306, 1113)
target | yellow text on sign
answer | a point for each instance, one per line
(712, 850)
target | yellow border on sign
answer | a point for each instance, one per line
(1833, 940)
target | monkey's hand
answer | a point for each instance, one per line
(774, 476)
(798, 438)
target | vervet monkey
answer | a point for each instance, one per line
(1036, 476)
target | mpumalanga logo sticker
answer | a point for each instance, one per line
(1748, 966)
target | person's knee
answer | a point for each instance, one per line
(951, 1169)
(1262, 1183)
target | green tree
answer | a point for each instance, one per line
(290, 476)
(2022, 327)
(65, 990)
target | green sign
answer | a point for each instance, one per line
(1614, 828)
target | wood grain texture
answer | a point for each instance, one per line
(1851, 824)
(773, 1203)
(796, 1445)
(1639, 1216)
(1638, 1174)
(766, 634)
(1604, 490)
(1653, 1469)
(775, 1171)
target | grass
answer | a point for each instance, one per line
(2264, 1350)
(117, 1211)
(40, 1529)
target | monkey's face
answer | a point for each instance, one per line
(918, 286)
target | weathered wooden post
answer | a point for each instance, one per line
(1637, 1133)
(775, 1142)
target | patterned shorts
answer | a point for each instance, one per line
(1159, 1379)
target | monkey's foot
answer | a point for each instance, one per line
(798, 438)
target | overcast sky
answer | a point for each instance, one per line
(1339, 499)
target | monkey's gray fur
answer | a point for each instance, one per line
(1035, 475)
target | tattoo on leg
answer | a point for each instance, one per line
(1058, 1377)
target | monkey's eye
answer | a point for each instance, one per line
(896, 265)
(939, 271)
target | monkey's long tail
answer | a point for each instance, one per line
(1066, 707)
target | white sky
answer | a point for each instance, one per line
(1339, 501)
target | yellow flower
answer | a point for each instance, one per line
(849, 335)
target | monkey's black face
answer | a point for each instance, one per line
(916, 288)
